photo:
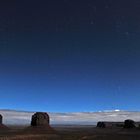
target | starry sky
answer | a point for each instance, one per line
(70, 55)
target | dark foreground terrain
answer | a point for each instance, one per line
(72, 133)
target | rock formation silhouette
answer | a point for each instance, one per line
(101, 125)
(129, 124)
(40, 119)
(40, 123)
(0, 119)
(2, 126)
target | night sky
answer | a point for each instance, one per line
(70, 55)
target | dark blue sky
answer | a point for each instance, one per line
(70, 55)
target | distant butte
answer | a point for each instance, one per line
(40, 119)
(40, 123)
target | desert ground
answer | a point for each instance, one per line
(71, 132)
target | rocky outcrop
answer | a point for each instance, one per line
(107, 124)
(129, 124)
(1, 119)
(40, 123)
(101, 125)
(2, 126)
(40, 119)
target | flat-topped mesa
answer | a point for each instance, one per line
(40, 119)
(107, 124)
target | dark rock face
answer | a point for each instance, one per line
(101, 125)
(2, 126)
(40, 124)
(129, 124)
(0, 119)
(40, 119)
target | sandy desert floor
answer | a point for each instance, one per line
(73, 133)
